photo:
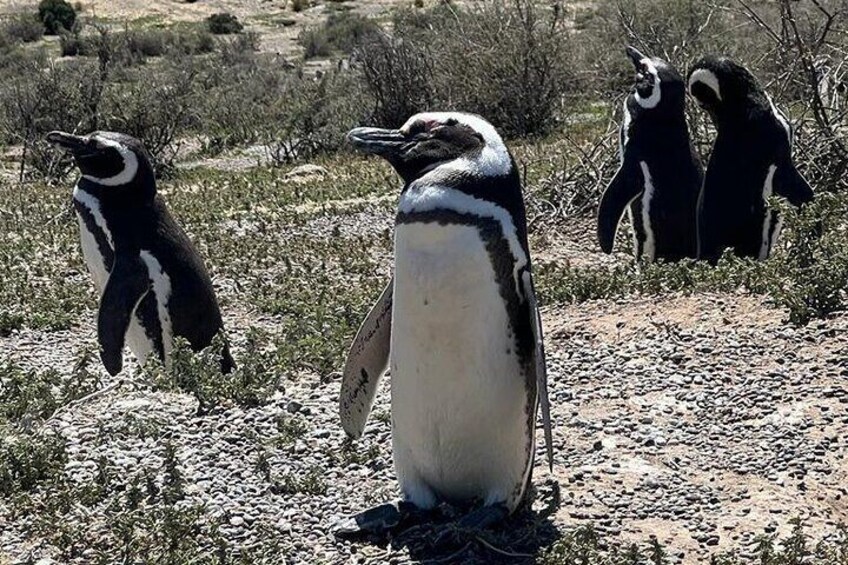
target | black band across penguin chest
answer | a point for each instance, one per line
(502, 261)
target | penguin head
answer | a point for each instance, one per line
(438, 145)
(105, 158)
(726, 89)
(659, 87)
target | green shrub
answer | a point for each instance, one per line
(27, 460)
(199, 374)
(56, 15)
(816, 260)
(224, 24)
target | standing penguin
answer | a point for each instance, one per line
(152, 282)
(660, 174)
(751, 161)
(459, 324)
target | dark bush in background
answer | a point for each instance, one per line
(506, 60)
(224, 24)
(399, 76)
(56, 15)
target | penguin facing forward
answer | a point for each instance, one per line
(152, 282)
(660, 174)
(751, 160)
(458, 325)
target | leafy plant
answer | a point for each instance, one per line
(56, 15)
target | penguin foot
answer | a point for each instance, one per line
(378, 520)
(484, 517)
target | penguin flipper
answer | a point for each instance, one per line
(366, 362)
(790, 184)
(540, 365)
(128, 284)
(622, 189)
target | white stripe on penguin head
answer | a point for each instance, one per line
(624, 137)
(708, 79)
(654, 99)
(781, 118)
(130, 164)
(491, 161)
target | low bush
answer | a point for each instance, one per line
(56, 15)
(23, 27)
(513, 58)
(224, 24)
(341, 32)
(199, 374)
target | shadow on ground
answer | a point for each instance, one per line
(519, 539)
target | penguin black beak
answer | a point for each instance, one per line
(635, 56)
(73, 144)
(377, 141)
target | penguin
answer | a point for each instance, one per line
(660, 173)
(458, 325)
(751, 161)
(153, 285)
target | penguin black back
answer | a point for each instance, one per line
(751, 161)
(660, 174)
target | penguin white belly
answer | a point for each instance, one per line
(459, 420)
(93, 258)
(139, 343)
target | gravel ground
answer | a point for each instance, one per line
(701, 420)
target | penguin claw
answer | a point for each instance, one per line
(377, 520)
(483, 518)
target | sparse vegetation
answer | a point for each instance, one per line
(298, 259)
(340, 33)
(24, 27)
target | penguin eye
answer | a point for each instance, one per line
(451, 122)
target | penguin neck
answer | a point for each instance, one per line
(134, 193)
(504, 191)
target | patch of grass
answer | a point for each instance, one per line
(290, 428)
(340, 32)
(310, 481)
(24, 27)
(199, 374)
(584, 546)
(807, 274)
(45, 284)
(147, 518)
(28, 460)
(353, 453)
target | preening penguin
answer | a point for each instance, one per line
(459, 324)
(751, 161)
(660, 174)
(152, 282)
